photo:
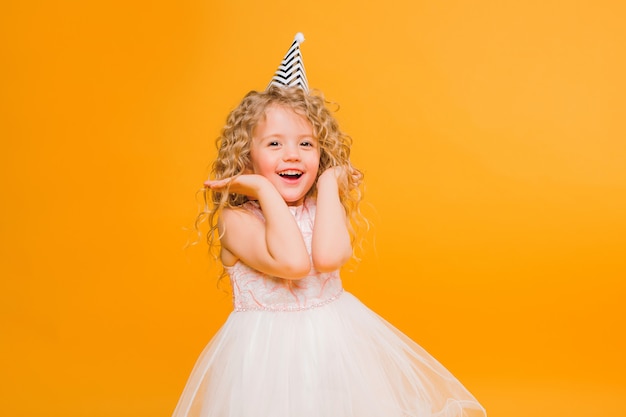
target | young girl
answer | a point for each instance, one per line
(297, 344)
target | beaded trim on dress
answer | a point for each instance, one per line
(293, 307)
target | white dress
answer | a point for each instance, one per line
(308, 348)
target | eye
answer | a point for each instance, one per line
(307, 143)
(273, 143)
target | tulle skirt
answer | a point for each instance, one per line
(337, 360)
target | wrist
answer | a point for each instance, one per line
(265, 190)
(327, 184)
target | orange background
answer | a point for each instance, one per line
(493, 141)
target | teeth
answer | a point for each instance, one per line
(290, 172)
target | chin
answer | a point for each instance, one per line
(294, 201)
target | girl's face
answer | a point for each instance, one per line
(284, 151)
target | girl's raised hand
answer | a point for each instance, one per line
(331, 174)
(337, 173)
(245, 184)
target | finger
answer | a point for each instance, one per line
(216, 183)
(210, 183)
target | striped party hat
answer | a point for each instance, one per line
(291, 72)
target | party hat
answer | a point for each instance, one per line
(291, 72)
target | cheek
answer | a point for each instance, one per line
(255, 168)
(317, 161)
(260, 164)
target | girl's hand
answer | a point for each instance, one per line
(246, 184)
(331, 174)
(338, 173)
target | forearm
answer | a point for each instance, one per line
(331, 247)
(285, 244)
(274, 246)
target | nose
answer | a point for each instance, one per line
(291, 152)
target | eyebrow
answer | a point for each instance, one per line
(279, 136)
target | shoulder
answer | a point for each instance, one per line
(247, 212)
(236, 225)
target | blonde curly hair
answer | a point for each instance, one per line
(233, 157)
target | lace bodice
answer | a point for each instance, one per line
(253, 290)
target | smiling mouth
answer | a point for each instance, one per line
(291, 174)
